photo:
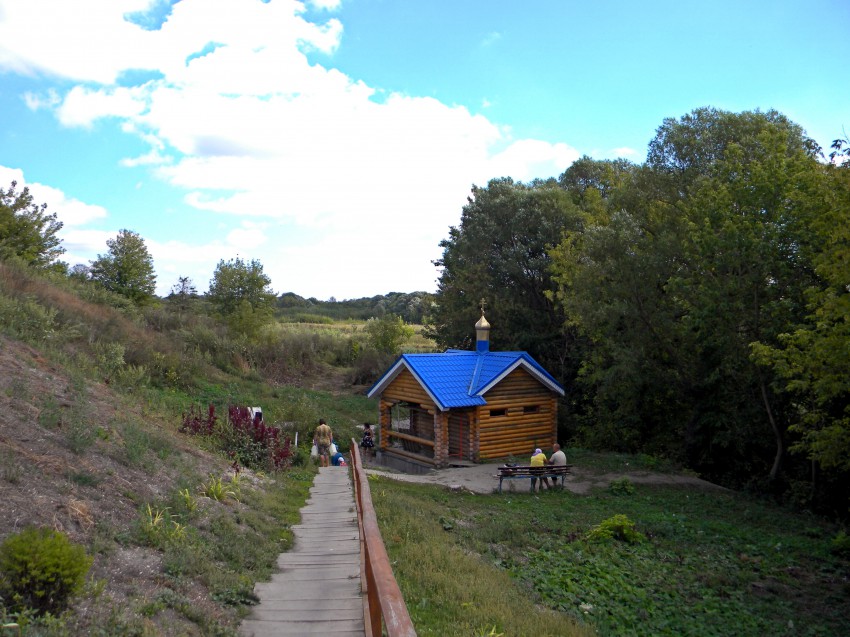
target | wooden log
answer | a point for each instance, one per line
(497, 421)
(513, 425)
(421, 441)
(490, 440)
(411, 455)
(516, 402)
(521, 428)
(521, 449)
(543, 433)
(505, 453)
(528, 442)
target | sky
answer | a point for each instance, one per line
(337, 141)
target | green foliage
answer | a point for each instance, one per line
(412, 307)
(500, 253)
(110, 359)
(219, 490)
(27, 320)
(713, 560)
(80, 432)
(83, 478)
(388, 334)
(240, 293)
(127, 269)
(40, 569)
(618, 527)
(27, 232)
(159, 527)
(623, 486)
(448, 588)
(812, 358)
(10, 469)
(684, 282)
(140, 443)
(841, 544)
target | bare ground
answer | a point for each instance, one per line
(64, 464)
(483, 479)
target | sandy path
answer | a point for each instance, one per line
(482, 479)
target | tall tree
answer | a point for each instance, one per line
(500, 252)
(127, 268)
(610, 281)
(703, 251)
(241, 294)
(27, 232)
(388, 334)
(812, 359)
(183, 293)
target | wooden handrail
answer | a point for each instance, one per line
(383, 600)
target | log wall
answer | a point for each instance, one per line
(520, 414)
(406, 388)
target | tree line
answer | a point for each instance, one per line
(239, 291)
(695, 306)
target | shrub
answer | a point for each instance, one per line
(40, 569)
(80, 433)
(618, 527)
(841, 544)
(623, 486)
(27, 319)
(196, 423)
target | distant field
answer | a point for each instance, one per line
(308, 323)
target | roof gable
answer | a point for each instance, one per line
(460, 378)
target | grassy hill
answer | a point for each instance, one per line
(93, 393)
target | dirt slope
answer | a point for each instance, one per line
(72, 458)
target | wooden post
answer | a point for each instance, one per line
(384, 424)
(441, 438)
(553, 409)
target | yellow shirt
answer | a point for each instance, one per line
(323, 435)
(539, 460)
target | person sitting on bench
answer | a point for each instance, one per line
(558, 458)
(538, 459)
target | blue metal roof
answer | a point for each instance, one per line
(460, 378)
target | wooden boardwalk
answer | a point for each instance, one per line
(317, 589)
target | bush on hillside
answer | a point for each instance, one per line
(40, 569)
(618, 527)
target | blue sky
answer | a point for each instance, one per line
(337, 140)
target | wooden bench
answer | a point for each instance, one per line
(531, 473)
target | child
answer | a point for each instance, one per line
(367, 444)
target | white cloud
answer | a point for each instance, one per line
(529, 158)
(35, 102)
(151, 158)
(248, 235)
(624, 151)
(82, 246)
(235, 115)
(71, 212)
(82, 106)
(325, 5)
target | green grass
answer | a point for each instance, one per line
(714, 563)
(450, 590)
(594, 462)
